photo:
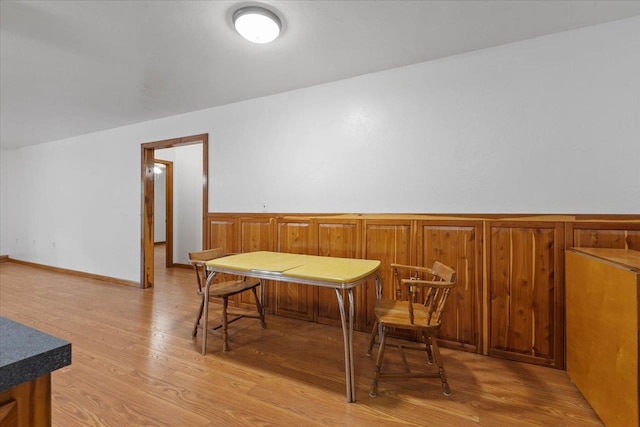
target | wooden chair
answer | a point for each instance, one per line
(223, 290)
(433, 285)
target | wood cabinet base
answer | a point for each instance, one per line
(27, 404)
(602, 331)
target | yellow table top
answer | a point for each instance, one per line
(296, 266)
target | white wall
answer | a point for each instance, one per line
(188, 202)
(160, 195)
(187, 199)
(75, 204)
(160, 207)
(549, 125)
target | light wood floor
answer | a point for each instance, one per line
(134, 363)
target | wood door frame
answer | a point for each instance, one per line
(147, 176)
(168, 206)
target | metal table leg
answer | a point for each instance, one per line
(205, 321)
(347, 333)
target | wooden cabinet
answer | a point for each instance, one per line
(235, 234)
(389, 241)
(602, 330)
(604, 235)
(459, 245)
(27, 359)
(337, 238)
(255, 234)
(223, 234)
(27, 404)
(291, 299)
(509, 301)
(526, 296)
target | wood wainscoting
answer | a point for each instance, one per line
(509, 302)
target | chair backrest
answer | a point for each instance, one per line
(434, 284)
(436, 296)
(199, 259)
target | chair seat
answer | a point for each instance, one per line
(222, 290)
(395, 314)
(232, 287)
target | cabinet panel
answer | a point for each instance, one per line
(291, 299)
(390, 242)
(525, 291)
(606, 235)
(336, 239)
(602, 331)
(27, 404)
(458, 245)
(510, 297)
(222, 234)
(255, 235)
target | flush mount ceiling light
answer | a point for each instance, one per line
(257, 24)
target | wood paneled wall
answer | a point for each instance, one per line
(526, 293)
(509, 301)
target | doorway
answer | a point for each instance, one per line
(163, 207)
(147, 209)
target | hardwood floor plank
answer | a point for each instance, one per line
(135, 363)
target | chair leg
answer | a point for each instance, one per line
(373, 392)
(195, 326)
(263, 324)
(372, 341)
(427, 347)
(438, 359)
(225, 334)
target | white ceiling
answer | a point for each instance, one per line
(72, 67)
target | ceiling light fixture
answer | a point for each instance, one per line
(257, 24)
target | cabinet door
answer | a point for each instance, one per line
(256, 234)
(336, 238)
(292, 299)
(604, 235)
(222, 234)
(526, 296)
(389, 241)
(459, 245)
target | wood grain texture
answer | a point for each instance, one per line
(256, 235)
(337, 239)
(526, 292)
(604, 235)
(222, 234)
(458, 246)
(602, 335)
(135, 363)
(9, 414)
(27, 404)
(389, 242)
(147, 246)
(535, 259)
(292, 299)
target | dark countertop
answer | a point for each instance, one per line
(26, 353)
